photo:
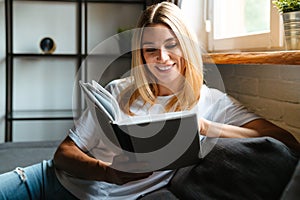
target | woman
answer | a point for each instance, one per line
(166, 76)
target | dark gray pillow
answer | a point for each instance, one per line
(161, 194)
(292, 190)
(252, 168)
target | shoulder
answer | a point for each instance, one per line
(217, 106)
(211, 94)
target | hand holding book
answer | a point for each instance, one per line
(166, 141)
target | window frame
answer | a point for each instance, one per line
(272, 40)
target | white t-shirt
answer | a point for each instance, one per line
(213, 105)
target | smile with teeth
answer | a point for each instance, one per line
(164, 68)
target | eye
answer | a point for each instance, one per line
(171, 45)
(150, 49)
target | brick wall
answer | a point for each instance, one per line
(272, 91)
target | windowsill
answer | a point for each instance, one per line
(266, 57)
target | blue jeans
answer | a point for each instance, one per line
(34, 182)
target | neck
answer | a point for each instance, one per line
(172, 88)
(163, 91)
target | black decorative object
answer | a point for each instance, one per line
(47, 45)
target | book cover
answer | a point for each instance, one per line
(166, 141)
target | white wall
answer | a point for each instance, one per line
(105, 19)
(48, 84)
(272, 91)
(194, 12)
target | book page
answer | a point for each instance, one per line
(112, 109)
(154, 117)
(106, 104)
(90, 92)
(111, 100)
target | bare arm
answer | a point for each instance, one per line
(255, 128)
(70, 158)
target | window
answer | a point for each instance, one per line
(243, 25)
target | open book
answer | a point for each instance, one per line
(169, 140)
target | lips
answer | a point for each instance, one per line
(164, 67)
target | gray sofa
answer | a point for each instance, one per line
(259, 168)
(241, 169)
(22, 154)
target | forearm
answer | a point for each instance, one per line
(75, 162)
(213, 129)
(72, 160)
(255, 128)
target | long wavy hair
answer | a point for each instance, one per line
(144, 83)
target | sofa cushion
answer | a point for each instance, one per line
(256, 168)
(292, 190)
(22, 154)
(161, 194)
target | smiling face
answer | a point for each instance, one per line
(162, 53)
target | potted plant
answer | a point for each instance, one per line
(290, 11)
(285, 6)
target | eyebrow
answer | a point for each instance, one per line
(150, 43)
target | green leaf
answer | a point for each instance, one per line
(287, 5)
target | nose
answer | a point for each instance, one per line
(163, 55)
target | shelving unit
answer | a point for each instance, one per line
(13, 56)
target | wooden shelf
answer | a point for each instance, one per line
(265, 58)
(41, 115)
(117, 1)
(51, 0)
(79, 55)
(44, 55)
(91, 1)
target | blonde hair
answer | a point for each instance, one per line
(144, 82)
